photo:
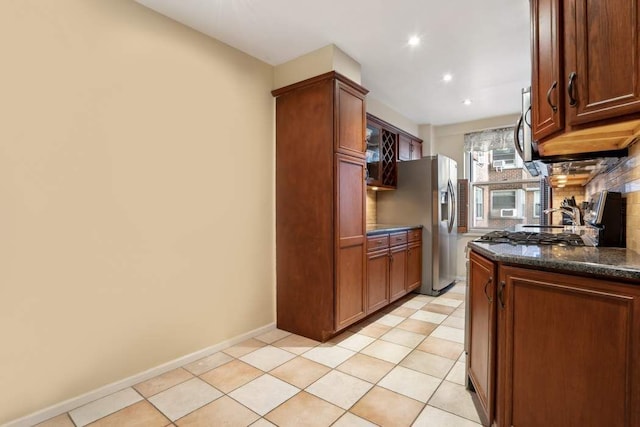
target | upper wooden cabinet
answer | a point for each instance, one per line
(409, 148)
(547, 109)
(386, 144)
(320, 205)
(585, 75)
(350, 120)
(602, 59)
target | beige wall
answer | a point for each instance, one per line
(389, 115)
(319, 61)
(137, 182)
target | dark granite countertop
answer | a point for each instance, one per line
(585, 260)
(373, 229)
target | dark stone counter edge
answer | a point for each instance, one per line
(392, 229)
(583, 268)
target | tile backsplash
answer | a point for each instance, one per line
(624, 178)
(372, 216)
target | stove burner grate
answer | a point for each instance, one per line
(532, 238)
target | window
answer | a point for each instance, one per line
(505, 158)
(536, 203)
(502, 193)
(479, 203)
(507, 203)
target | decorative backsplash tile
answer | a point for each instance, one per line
(372, 215)
(624, 178)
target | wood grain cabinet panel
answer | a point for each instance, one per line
(603, 54)
(320, 206)
(481, 360)
(547, 78)
(571, 352)
(585, 89)
(377, 280)
(397, 272)
(414, 266)
(350, 120)
(351, 235)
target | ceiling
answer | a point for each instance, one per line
(483, 44)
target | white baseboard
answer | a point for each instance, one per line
(75, 402)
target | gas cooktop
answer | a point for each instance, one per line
(532, 238)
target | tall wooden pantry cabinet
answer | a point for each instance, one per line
(320, 205)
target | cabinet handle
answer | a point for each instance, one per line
(390, 257)
(485, 289)
(571, 89)
(501, 293)
(553, 86)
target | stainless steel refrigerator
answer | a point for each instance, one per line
(426, 195)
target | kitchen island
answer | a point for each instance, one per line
(553, 334)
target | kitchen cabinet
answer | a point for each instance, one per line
(566, 349)
(377, 279)
(585, 75)
(381, 154)
(386, 145)
(547, 98)
(481, 361)
(414, 260)
(394, 266)
(409, 148)
(398, 271)
(320, 205)
(571, 350)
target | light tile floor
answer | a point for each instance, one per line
(401, 367)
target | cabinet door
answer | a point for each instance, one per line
(416, 150)
(374, 154)
(481, 360)
(571, 350)
(547, 79)
(377, 280)
(350, 240)
(350, 121)
(397, 272)
(414, 266)
(603, 50)
(404, 148)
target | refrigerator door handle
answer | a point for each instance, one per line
(452, 206)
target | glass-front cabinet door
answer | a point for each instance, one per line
(374, 148)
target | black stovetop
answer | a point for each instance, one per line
(532, 238)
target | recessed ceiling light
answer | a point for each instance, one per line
(467, 101)
(447, 77)
(414, 41)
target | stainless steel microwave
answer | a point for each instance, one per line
(523, 140)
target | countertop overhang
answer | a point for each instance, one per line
(373, 229)
(618, 263)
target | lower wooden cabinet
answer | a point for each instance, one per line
(481, 360)
(571, 350)
(397, 272)
(377, 280)
(394, 267)
(567, 350)
(414, 266)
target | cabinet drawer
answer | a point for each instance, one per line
(415, 235)
(377, 242)
(398, 238)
